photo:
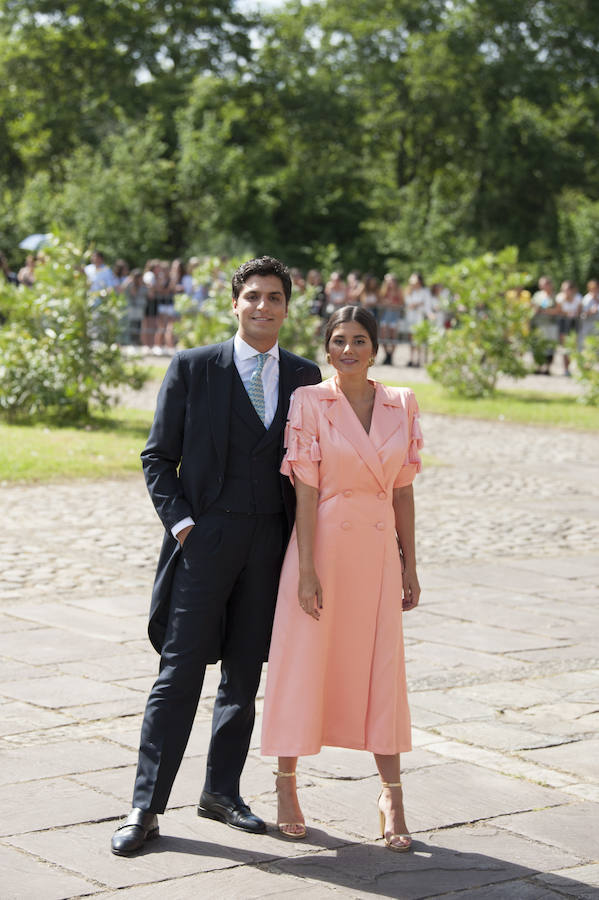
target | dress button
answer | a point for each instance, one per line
(380, 526)
(346, 526)
(347, 494)
(382, 495)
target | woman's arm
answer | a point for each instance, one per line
(403, 506)
(309, 591)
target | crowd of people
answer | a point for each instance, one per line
(150, 293)
(556, 315)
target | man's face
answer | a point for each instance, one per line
(261, 309)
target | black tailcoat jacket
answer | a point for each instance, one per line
(185, 457)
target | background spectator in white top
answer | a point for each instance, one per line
(100, 276)
(419, 304)
(569, 302)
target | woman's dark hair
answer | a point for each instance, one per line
(353, 314)
(264, 265)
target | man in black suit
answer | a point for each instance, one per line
(212, 469)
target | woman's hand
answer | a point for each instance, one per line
(411, 588)
(309, 594)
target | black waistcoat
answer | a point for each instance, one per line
(252, 482)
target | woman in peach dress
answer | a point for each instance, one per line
(336, 673)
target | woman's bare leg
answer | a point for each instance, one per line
(288, 808)
(391, 799)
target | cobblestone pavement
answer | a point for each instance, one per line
(502, 787)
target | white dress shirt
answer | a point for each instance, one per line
(245, 359)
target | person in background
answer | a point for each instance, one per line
(545, 321)
(391, 302)
(319, 298)
(149, 324)
(120, 271)
(26, 274)
(439, 301)
(192, 287)
(297, 280)
(336, 292)
(99, 275)
(166, 279)
(136, 293)
(418, 303)
(569, 302)
(589, 316)
(369, 295)
(9, 275)
(355, 287)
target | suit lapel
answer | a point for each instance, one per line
(220, 385)
(343, 418)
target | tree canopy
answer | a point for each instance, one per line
(408, 133)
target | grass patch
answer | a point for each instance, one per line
(108, 446)
(520, 406)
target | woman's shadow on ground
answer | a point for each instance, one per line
(429, 870)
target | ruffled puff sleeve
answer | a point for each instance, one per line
(302, 457)
(413, 463)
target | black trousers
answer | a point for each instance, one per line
(224, 590)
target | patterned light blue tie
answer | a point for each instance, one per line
(256, 388)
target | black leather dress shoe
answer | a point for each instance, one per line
(139, 827)
(231, 810)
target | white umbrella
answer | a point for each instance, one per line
(35, 242)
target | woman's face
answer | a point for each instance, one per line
(350, 348)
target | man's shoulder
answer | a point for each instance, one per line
(298, 361)
(195, 355)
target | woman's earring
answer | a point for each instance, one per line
(329, 358)
(371, 361)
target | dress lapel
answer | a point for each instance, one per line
(343, 419)
(385, 417)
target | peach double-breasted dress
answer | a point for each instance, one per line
(341, 681)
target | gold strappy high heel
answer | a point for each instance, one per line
(291, 835)
(399, 848)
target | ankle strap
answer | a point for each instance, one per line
(282, 774)
(391, 783)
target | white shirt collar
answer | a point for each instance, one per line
(244, 351)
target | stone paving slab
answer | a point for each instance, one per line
(18, 718)
(49, 760)
(583, 881)
(502, 653)
(251, 883)
(579, 758)
(81, 621)
(65, 802)
(498, 735)
(52, 645)
(26, 878)
(61, 691)
(571, 828)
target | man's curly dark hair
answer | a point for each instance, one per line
(263, 265)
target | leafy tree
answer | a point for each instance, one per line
(59, 354)
(586, 372)
(116, 197)
(492, 324)
(71, 71)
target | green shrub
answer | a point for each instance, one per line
(59, 354)
(492, 324)
(215, 320)
(586, 358)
